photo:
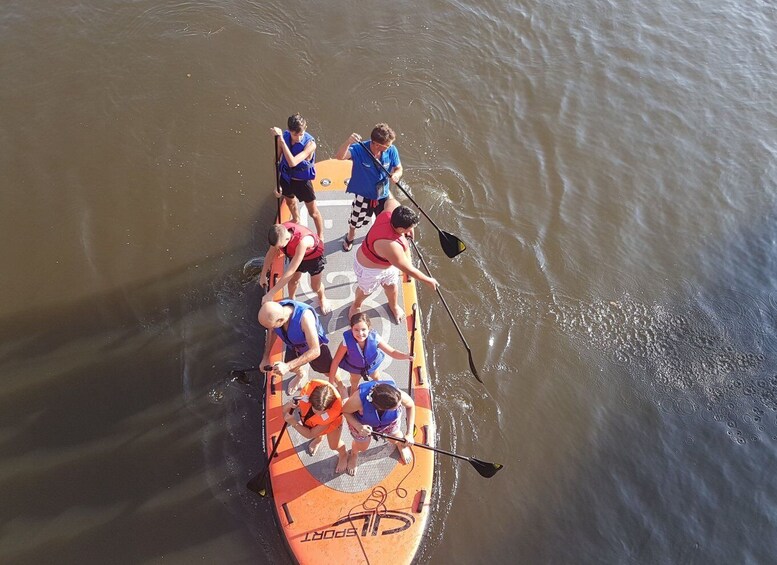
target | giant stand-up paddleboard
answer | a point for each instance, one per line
(380, 514)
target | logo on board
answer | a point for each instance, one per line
(364, 524)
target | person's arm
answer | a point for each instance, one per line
(294, 160)
(350, 409)
(304, 431)
(311, 337)
(343, 152)
(395, 165)
(339, 354)
(269, 258)
(305, 244)
(395, 254)
(391, 352)
(396, 173)
(409, 405)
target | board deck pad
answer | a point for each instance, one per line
(380, 513)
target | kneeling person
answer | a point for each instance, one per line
(320, 410)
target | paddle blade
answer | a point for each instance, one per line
(472, 367)
(451, 244)
(258, 485)
(485, 468)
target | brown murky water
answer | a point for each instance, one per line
(610, 166)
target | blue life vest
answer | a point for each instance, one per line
(305, 170)
(356, 361)
(294, 337)
(370, 415)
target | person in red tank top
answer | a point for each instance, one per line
(381, 257)
(305, 250)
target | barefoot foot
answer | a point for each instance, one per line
(313, 445)
(324, 306)
(397, 313)
(352, 466)
(342, 461)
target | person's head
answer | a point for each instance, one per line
(297, 126)
(272, 315)
(403, 219)
(385, 397)
(322, 398)
(383, 136)
(360, 326)
(278, 236)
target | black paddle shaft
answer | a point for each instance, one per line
(450, 314)
(485, 468)
(451, 244)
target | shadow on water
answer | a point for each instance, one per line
(123, 438)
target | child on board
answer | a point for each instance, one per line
(320, 414)
(378, 406)
(305, 251)
(362, 351)
(297, 155)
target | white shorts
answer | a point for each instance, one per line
(370, 280)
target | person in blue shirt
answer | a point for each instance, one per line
(369, 183)
(297, 163)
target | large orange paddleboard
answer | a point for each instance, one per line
(379, 515)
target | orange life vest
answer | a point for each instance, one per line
(331, 417)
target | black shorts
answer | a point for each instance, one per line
(312, 266)
(301, 189)
(320, 364)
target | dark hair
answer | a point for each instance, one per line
(403, 217)
(322, 397)
(385, 396)
(296, 123)
(360, 317)
(275, 233)
(382, 134)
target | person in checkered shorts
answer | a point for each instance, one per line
(369, 183)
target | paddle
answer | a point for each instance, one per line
(278, 193)
(485, 468)
(259, 483)
(445, 304)
(451, 244)
(241, 373)
(412, 351)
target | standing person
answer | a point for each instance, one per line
(362, 351)
(297, 154)
(368, 181)
(298, 326)
(378, 406)
(320, 410)
(382, 256)
(305, 251)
